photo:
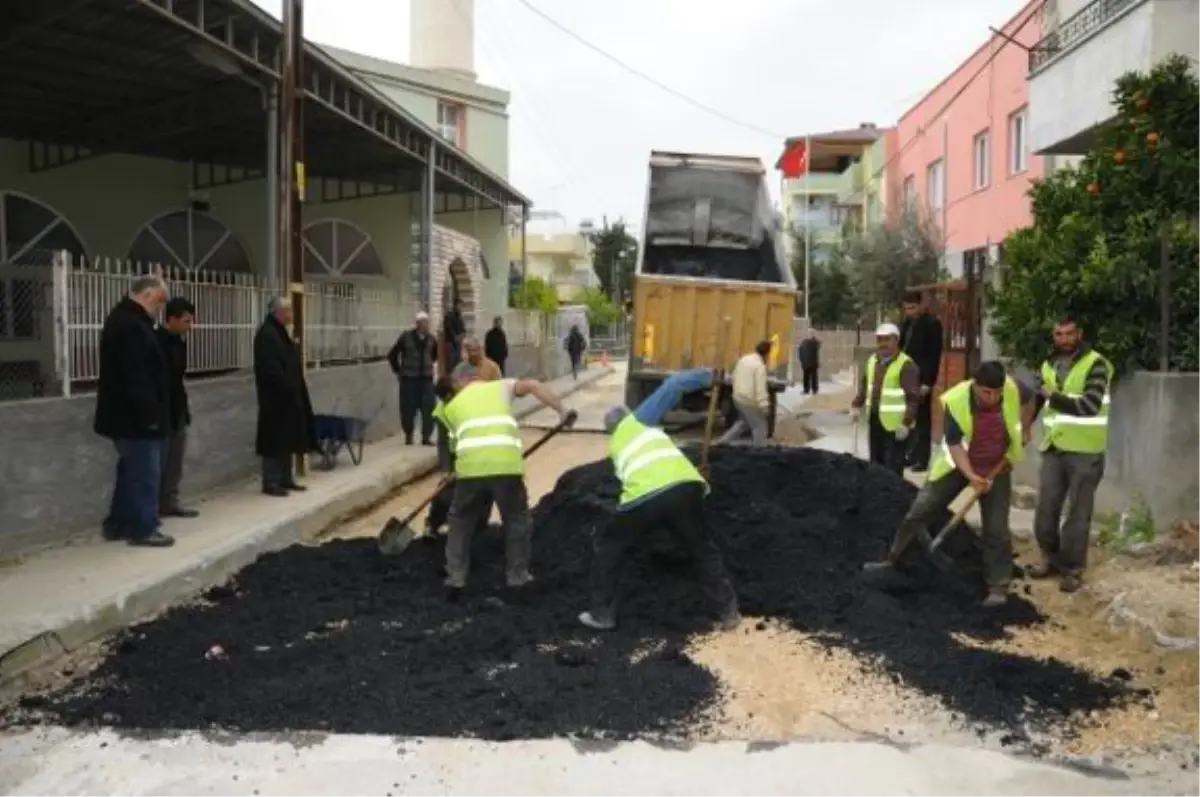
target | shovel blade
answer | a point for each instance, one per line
(395, 538)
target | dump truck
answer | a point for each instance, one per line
(712, 279)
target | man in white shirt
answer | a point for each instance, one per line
(751, 397)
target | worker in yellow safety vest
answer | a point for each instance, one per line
(489, 465)
(660, 488)
(890, 390)
(1075, 384)
(985, 430)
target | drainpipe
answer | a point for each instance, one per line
(275, 274)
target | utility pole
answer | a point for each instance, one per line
(807, 227)
(292, 176)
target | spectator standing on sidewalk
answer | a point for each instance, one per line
(921, 339)
(495, 343)
(177, 322)
(475, 367)
(411, 359)
(285, 416)
(890, 390)
(575, 345)
(453, 330)
(810, 362)
(133, 409)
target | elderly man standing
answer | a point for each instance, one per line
(133, 409)
(751, 397)
(475, 367)
(285, 415)
(987, 422)
(411, 359)
(890, 389)
(1075, 385)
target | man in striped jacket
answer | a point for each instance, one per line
(1075, 385)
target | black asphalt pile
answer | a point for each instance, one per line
(338, 638)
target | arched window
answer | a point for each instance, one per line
(192, 240)
(30, 234)
(337, 248)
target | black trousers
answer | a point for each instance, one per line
(416, 396)
(681, 510)
(811, 381)
(920, 444)
(277, 472)
(439, 510)
(885, 449)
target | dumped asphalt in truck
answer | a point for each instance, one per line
(337, 638)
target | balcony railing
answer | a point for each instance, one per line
(1075, 29)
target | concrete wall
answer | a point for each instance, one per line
(1154, 433)
(974, 216)
(56, 474)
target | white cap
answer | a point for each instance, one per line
(887, 331)
(424, 316)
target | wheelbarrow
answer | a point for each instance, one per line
(337, 432)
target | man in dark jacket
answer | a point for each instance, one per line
(412, 358)
(177, 322)
(495, 343)
(576, 345)
(921, 339)
(453, 330)
(285, 415)
(133, 409)
(810, 361)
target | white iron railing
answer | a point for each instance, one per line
(343, 322)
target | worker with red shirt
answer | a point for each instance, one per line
(986, 428)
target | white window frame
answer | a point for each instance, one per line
(450, 117)
(1018, 142)
(935, 178)
(981, 149)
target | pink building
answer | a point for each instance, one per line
(964, 149)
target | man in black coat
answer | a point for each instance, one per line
(411, 359)
(921, 339)
(809, 354)
(285, 416)
(133, 409)
(177, 322)
(495, 343)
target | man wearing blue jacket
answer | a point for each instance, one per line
(659, 487)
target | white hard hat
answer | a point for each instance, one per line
(887, 331)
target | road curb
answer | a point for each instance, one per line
(188, 578)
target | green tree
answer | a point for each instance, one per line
(537, 295)
(601, 311)
(614, 256)
(1099, 231)
(884, 262)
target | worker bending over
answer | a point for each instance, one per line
(1075, 385)
(987, 422)
(751, 396)
(659, 488)
(890, 389)
(489, 465)
(439, 509)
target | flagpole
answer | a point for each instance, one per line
(807, 226)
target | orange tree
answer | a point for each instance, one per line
(1095, 245)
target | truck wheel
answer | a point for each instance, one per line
(772, 412)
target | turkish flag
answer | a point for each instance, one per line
(794, 162)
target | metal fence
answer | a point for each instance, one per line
(52, 311)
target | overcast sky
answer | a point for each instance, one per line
(582, 126)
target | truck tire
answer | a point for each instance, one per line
(772, 413)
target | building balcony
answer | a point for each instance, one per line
(814, 183)
(1073, 69)
(852, 186)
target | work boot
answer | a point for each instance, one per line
(730, 620)
(293, 487)
(1041, 570)
(996, 597)
(1071, 582)
(598, 621)
(519, 580)
(114, 533)
(154, 540)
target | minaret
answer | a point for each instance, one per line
(442, 36)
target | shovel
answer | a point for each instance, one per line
(931, 546)
(398, 533)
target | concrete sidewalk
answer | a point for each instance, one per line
(57, 600)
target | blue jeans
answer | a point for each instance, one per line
(134, 508)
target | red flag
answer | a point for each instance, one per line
(794, 162)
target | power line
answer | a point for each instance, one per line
(647, 78)
(953, 98)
